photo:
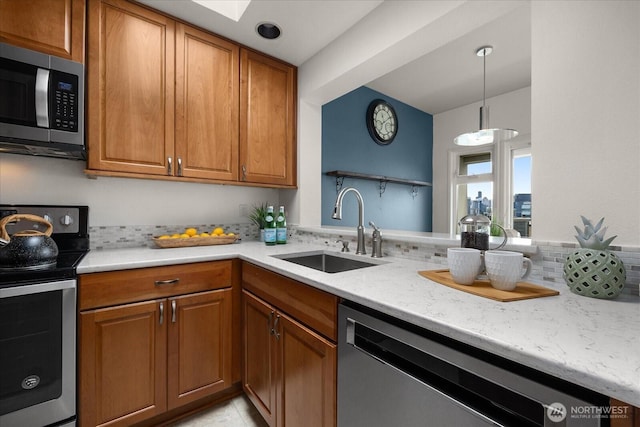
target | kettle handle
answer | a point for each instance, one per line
(504, 233)
(17, 217)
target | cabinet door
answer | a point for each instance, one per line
(259, 380)
(55, 27)
(206, 105)
(122, 366)
(199, 346)
(267, 120)
(130, 88)
(307, 376)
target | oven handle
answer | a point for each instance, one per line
(37, 288)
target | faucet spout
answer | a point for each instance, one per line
(337, 214)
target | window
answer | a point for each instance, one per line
(494, 181)
(520, 174)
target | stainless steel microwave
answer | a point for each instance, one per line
(41, 104)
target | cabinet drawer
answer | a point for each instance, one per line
(313, 307)
(124, 286)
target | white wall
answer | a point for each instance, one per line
(120, 201)
(586, 117)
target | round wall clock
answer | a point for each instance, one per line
(382, 122)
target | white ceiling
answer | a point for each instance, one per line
(447, 77)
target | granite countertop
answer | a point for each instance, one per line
(587, 341)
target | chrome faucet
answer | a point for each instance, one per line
(337, 214)
(376, 240)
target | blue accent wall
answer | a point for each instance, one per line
(347, 146)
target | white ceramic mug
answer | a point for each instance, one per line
(505, 269)
(464, 264)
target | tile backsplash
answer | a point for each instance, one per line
(140, 236)
(547, 261)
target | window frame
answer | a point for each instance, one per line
(501, 177)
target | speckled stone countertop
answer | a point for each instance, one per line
(591, 342)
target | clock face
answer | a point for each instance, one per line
(382, 122)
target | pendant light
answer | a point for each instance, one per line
(485, 135)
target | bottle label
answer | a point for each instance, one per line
(269, 235)
(281, 235)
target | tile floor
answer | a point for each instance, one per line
(237, 412)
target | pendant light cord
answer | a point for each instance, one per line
(484, 78)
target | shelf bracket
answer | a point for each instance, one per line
(383, 186)
(339, 182)
(414, 191)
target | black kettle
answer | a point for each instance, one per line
(28, 249)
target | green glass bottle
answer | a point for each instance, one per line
(269, 227)
(281, 227)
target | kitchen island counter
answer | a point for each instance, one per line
(587, 341)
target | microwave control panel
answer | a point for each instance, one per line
(64, 101)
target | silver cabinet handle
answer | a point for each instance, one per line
(169, 166)
(42, 97)
(269, 323)
(173, 311)
(179, 166)
(167, 282)
(161, 313)
(275, 327)
(244, 172)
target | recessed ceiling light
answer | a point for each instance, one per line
(268, 30)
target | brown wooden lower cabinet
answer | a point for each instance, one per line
(142, 359)
(625, 415)
(290, 371)
(289, 367)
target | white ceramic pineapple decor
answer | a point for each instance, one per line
(593, 270)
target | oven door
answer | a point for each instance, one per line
(38, 357)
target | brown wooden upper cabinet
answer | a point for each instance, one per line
(206, 105)
(267, 120)
(130, 88)
(164, 102)
(55, 27)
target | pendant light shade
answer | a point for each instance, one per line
(486, 135)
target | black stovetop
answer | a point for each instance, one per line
(65, 268)
(72, 247)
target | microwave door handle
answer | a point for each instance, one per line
(42, 98)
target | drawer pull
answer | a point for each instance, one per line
(167, 282)
(161, 313)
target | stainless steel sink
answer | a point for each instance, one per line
(329, 262)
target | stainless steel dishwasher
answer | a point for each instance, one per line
(395, 374)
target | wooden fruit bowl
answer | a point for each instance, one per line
(185, 242)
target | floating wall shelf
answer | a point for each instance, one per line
(383, 180)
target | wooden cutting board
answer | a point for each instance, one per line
(483, 288)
